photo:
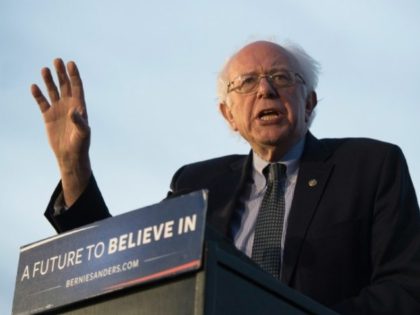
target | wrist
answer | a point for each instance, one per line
(74, 179)
(74, 165)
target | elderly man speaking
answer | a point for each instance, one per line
(336, 219)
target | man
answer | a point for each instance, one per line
(349, 234)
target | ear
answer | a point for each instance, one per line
(311, 102)
(227, 114)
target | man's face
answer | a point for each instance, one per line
(270, 119)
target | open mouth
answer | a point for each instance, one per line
(268, 114)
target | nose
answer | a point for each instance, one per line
(266, 89)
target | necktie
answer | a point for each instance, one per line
(266, 250)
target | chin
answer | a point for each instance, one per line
(272, 142)
(275, 139)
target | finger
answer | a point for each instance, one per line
(49, 83)
(39, 98)
(76, 81)
(63, 79)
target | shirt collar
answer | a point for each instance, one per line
(290, 159)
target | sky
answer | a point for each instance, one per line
(149, 69)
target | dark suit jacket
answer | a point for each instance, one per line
(353, 238)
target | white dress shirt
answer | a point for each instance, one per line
(243, 226)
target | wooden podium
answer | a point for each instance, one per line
(228, 284)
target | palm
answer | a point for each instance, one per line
(65, 115)
(63, 134)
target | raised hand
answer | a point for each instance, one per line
(66, 122)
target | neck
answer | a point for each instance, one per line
(271, 153)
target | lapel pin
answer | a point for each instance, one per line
(313, 182)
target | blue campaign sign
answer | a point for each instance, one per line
(140, 246)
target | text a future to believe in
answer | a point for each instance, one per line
(120, 243)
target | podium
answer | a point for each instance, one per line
(227, 284)
(161, 259)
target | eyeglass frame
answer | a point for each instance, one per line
(269, 78)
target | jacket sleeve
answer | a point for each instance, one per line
(90, 207)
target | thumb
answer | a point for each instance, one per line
(80, 122)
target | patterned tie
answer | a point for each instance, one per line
(266, 250)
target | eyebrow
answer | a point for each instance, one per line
(270, 71)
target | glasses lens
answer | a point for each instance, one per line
(247, 82)
(282, 79)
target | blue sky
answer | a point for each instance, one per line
(149, 70)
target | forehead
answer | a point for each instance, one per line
(260, 57)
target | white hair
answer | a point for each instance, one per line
(308, 66)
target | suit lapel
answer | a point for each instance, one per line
(228, 192)
(313, 176)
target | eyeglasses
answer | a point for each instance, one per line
(248, 83)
